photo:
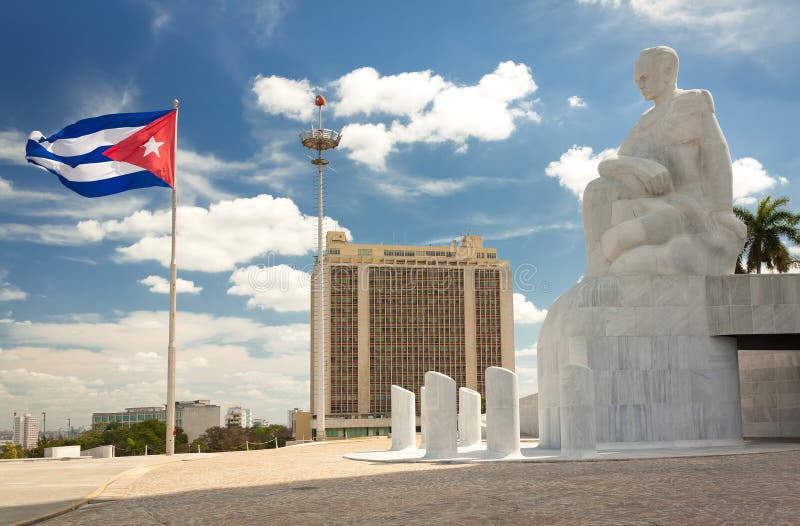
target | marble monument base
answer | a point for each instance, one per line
(658, 375)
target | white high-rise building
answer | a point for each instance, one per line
(239, 416)
(26, 430)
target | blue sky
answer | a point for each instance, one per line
(482, 117)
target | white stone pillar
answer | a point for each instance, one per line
(440, 416)
(502, 412)
(578, 439)
(403, 419)
(422, 425)
(469, 417)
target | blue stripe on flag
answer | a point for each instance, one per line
(117, 120)
(34, 149)
(113, 185)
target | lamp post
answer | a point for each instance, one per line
(319, 140)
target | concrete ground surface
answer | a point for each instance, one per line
(34, 488)
(315, 485)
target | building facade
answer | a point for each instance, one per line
(26, 430)
(130, 416)
(299, 424)
(239, 417)
(392, 313)
(194, 417)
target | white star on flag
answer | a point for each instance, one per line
(152, 146)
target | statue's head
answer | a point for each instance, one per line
(656, 72)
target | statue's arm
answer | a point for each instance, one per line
(639, 175)
(717, 175)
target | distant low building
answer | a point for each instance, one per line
(26, 430)
(194, 417)
(299, 423)
(238, 416)
(260, 422)
(130, 416)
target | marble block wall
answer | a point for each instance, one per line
(770, 386)
(659, 376)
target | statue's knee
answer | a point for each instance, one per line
(623, 237)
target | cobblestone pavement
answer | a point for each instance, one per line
(314, 485)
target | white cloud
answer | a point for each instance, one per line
(160, 285)
(526, 352)
(75, 368)
(723, 24)
(368, 144)
(281, 96)
(749, 179)
(485, 111)
(528, 230)
(365, 91)
(576, 167)
(160, 19)
(10, 293)
(45, 234)
(12, 146)
(65, 203)
(216, 238)
(264, 17)
(526, 369)
(576, 102)
(280, 288)
(95, 95)
(525, 312)
(401, 187)
(613, 3)
(425, 108)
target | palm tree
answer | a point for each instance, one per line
(766, 230)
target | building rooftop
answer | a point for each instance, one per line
(469, 251)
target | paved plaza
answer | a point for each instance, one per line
(315, 485)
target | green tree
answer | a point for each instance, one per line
(223, 439)
(10, 451)
(767, 229)
(264, 436)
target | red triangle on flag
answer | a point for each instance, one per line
(152, 148)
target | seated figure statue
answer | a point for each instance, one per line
(663, 204)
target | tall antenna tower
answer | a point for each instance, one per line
(319, 139)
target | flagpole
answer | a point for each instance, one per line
(170, 447)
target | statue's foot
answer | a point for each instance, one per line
(687, 255)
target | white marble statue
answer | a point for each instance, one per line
(663, 204)
(657, 222)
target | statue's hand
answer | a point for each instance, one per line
(640, 176)
(656, 182)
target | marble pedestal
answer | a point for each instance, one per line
(404, 434)
(441, 433)
(659, 377)
(469, 417)
(502, 412)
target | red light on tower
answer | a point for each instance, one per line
(320, 101)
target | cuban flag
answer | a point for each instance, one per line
(109, 154)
